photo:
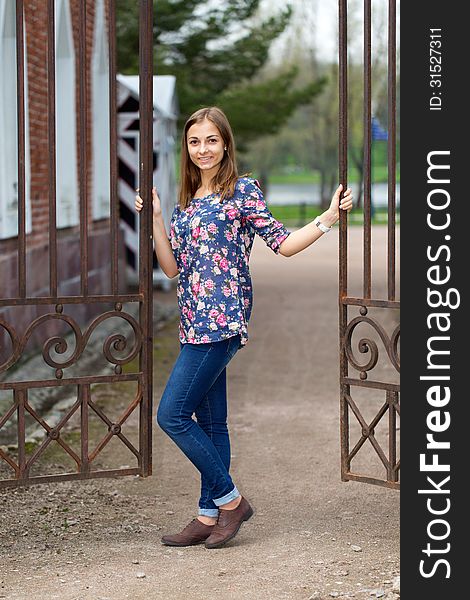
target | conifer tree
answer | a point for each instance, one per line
(217, 50)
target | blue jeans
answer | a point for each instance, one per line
(198, 384)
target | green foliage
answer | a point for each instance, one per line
(206, 62)
(216, 54)
(269, 105)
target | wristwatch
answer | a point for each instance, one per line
(320, 225)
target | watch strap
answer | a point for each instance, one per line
(320, 225)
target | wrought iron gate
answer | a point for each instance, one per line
(379, 396)
(115, 347)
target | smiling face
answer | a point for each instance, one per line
(205, 146)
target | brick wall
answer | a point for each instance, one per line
(68, 239)
(36, 30)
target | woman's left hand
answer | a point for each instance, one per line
(344, 203)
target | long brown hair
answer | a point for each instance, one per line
(226, 177)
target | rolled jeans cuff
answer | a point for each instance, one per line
(209, 512)
(227, 498)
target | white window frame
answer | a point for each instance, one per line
(67, 197)
(100, 118)
(9, 126)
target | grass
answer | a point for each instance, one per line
(380, 174)
(290, 215)
(294, 178)
(291, 174)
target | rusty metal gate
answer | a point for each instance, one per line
(137, 359)
(371, 401)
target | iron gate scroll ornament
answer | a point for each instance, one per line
(128, 349)
(389, 405)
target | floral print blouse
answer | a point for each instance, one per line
(211, 242)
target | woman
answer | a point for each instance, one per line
(211, 234)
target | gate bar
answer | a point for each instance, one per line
(51, 139)
(343, 142)
(21, 149)
(145, 226)
(84, 395)
(391, 146)
(113, 192)
(70, 299)
(343, 239)
(20, 398)
(19, 389)
(371, 302)
(350, 382)
(20, 385)
(392, 474)
(83, 141)
(367, 147)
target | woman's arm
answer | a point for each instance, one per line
(163, 250)
(305, 236)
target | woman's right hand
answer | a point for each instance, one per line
(157, 208)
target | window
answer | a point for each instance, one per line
(9, 126)
(66, 139)
(100, 120)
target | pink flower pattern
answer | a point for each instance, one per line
(212, 242)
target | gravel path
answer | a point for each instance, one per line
(312, 535)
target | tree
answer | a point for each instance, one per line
(324, 123)
(379, 85)
(216, 51)
(310, 139)
(269, 104)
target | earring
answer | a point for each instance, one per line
(225, 148)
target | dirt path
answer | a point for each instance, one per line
(312, 536)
